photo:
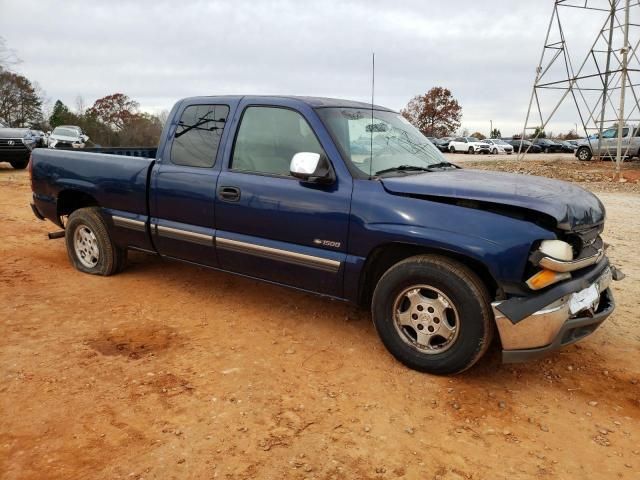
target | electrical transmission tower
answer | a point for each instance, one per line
(602, 86)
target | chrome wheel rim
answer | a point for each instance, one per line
(85, 244)
(426, 319)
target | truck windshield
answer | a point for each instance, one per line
(387, 143)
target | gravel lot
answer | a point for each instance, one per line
(172, 371)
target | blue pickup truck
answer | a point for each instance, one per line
(346, 200)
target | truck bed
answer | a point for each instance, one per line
(60, 173)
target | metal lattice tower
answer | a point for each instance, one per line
(603, 86)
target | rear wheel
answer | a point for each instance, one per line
(433, 314)
(89, 245)
(452, 149)
(19, 164)
(584, 154)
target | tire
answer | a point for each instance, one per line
(467, 324)
(452, 149)
(584, 154)
(470, 151)
(89, 245)
(546, 150)
(19, 164)
(494, 151)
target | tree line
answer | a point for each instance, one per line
(112, 121)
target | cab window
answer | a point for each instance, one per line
(269, 137)
(197, 137)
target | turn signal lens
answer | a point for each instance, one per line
(545, 277)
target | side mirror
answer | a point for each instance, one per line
(311, 167)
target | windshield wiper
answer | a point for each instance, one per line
(442, 164)
(403, 168)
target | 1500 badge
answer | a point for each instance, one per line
(326, 243)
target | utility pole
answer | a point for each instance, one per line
(605, 87)
(491, 129)
(623, 70)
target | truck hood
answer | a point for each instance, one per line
(13, 132)
(570, 206)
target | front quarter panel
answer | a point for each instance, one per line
(502, 244)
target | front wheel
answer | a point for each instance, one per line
(19, 164)
(433, 314)
(494, 151)
(584, 154)
(89, 245)
(470, 151)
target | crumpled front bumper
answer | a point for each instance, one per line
(553, 326)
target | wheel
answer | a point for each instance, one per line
(546, 150)
(584, 154)
(470, 151)
(89, 245)
(452, 149)
(19, 164)
(509, 153)
(494, 151)
(433, 314)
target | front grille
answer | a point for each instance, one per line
(586, 242)
(12, 144)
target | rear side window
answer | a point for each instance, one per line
(195, 143)
(269, 137)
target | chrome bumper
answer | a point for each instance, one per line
(547, 328)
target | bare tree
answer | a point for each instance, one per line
(8, 57)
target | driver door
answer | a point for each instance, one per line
(271, 225)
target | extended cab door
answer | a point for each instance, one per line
(183, 182)
(271, 225)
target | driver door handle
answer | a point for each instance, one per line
(229, 194)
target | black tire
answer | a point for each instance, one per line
(546, 150)
(584, 154)
(110, 258)
(19, 164)
(461, 288)
(452, 149)
(494, 151)
(470, 151)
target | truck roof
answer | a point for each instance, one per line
(313, 102)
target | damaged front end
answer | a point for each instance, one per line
(571, 279)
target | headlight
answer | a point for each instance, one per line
(557, 249)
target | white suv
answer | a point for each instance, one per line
(468, 145)
(499, 146)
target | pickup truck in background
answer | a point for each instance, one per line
(588, 147)
(16, 145)
(350, 201)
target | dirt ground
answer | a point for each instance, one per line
(171, 371)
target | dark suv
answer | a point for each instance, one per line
(16, 145)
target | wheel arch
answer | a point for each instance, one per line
(383, 257)
(70, 200)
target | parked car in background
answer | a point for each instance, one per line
(440, 144)
(567, 147)
(41, 138)
(574, 142)
(16, 145)
(609, 144)
(499, 146)
(547, 145)
(468, 145)
(278, 189)
(67, 136)
(522, 146)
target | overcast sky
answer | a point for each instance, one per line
(158, 51)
